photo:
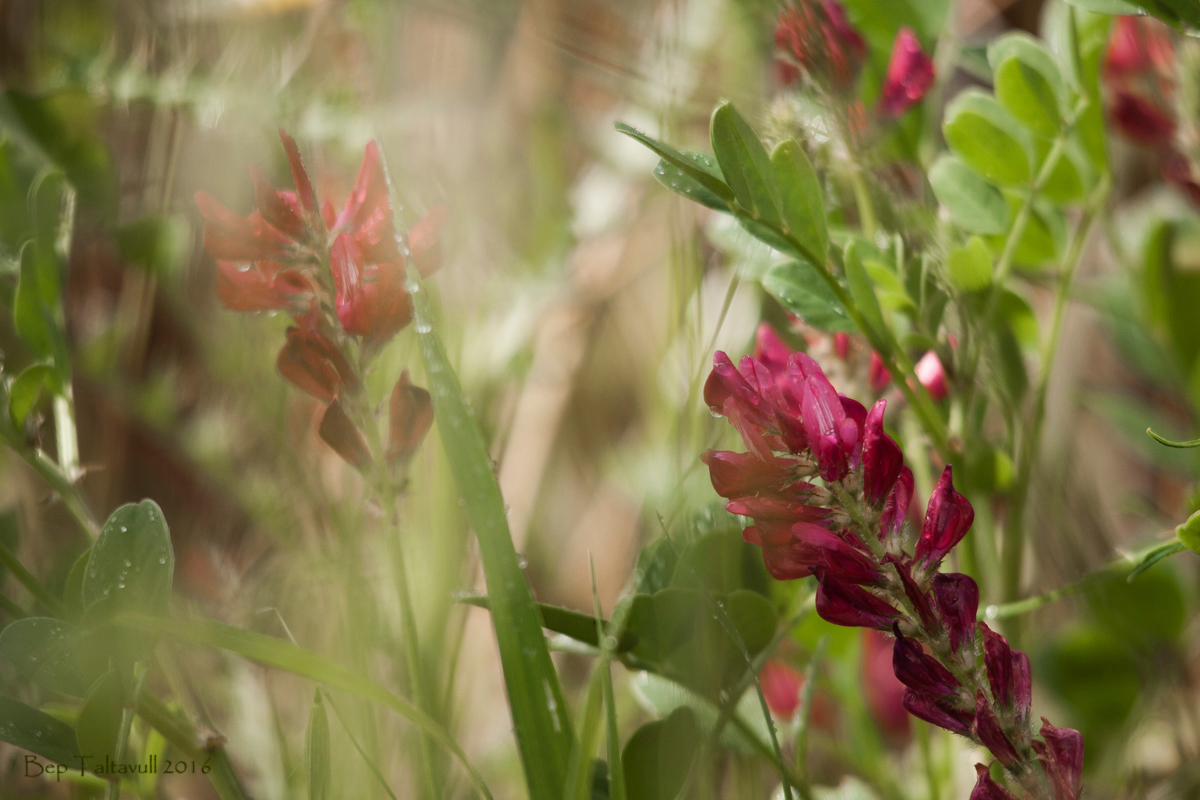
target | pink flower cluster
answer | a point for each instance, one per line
(828, 494)
(816, 38)
(340, 275)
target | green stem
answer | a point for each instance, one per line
(1119, 566)
(386, 488)
(27, 579)
(1014, 539)
(11, 608)
(862, 199)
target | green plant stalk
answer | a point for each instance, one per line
(184, 737)
(11, 608)
(27, 579)
(1014, 540)
(1134, 560)
(127, 714)
(386, 489)
(862, 199)
(806, 704)
(357, 746)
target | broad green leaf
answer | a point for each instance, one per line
(37, 732)
(73, 587)
(663, 696)
(659, 756)
(535, 695)
(970, 267)
(47, 198)
(317, 751)
(99, 724)
(862, 293)
(802, 206)
(1172, 287)
(44, 650)
(745, 164)
(1066, 181)
(1017, 315)
(1028, 83)
(1189, 532)
(278, 653)
(987, 139)
(1043, 239)
(131, 564)
(804, 293)
(25, 390)
(975, 205)
(682, 182)
(691, 165)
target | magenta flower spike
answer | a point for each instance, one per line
(918, 670)
(997, 656)
(845, 604)
(895, 508)
(910, 73)
(947, 520)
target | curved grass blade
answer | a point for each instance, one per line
(539, 710)
(1169, 443)
(288, 657)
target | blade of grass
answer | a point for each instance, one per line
(539, 710)
(371, 765)
(288, 657)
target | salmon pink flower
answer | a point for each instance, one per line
(312, 362)
(410, 416)
(339, 432)
(371, 299)
(910, 73)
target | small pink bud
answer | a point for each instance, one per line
(910, 73)
(932, 375)
(781, 686)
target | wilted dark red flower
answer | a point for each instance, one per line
(313, 363)
(939, 710)
(845, 604)
(339, 432)
(410, 416)
(781, 687)
(910, 73)
(820, 39)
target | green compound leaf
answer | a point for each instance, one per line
(745, 164)
(543, 727)
(798, 287)
(682, 182)
(99, 724)
(1028, 83)
(694, 168)
(987, 138)
(800, 197)
(37, 732)
(131, 564)
(44, 650)
(659, 756)
(975, 205)
(25, 390)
